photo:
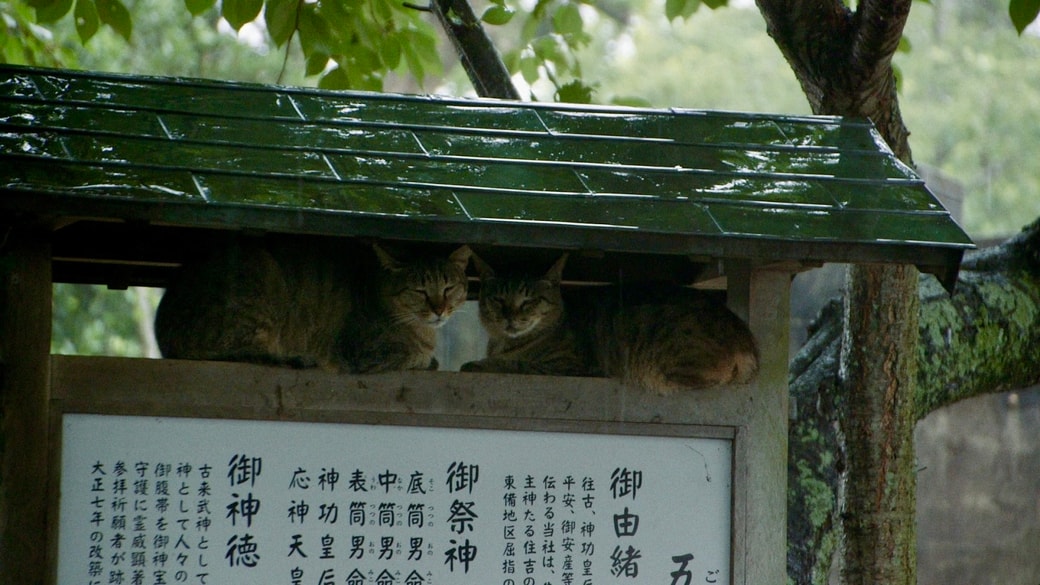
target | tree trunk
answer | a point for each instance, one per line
(843, 61)
(981, 339)
(877, 371)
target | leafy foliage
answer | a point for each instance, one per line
(1023, 13)
(93, 320)
(348, 44)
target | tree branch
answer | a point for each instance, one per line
(878, 30)
(481, 60)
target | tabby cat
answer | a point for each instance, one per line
(309, 303)
(660, 338)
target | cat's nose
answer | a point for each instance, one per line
(438, 308)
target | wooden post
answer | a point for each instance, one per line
(25, 337)
(763, 297)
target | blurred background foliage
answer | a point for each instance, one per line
(969, 93)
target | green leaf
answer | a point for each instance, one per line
(280, 17)
(336, 78)
(384, 10)
(529, 64)
(567, 20)
(390, 52)
(314, 32)
(497, 15)
(680, 8)
(414, 62)
(575, 92)
(115, 15)
(197, 7)
(51, 10)
(316, 63)
(1023, 13)
(713, 4)
(240, 12)
(630, 101)
(904, 44)
(87, 20)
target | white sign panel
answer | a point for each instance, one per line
(165, 501)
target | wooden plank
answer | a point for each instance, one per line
(246, 391)
(25, 320)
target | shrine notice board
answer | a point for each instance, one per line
(154, 500)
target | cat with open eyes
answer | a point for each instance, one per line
(655, 337)
(303, 303)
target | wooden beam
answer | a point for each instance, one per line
(25, 323)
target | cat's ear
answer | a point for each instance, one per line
(483, 268)
(386, 260)
(461, 256)
(555, 274)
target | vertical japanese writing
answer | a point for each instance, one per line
(461, 479)
(587, 529)
(624, 560)
(549, 532)
(242, 549)
(509, 522)
(548, 529)
(146, 524)
(386, 514)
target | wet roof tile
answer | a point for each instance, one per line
(666, 181)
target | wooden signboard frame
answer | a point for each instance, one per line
(171, 388)
(39, 388)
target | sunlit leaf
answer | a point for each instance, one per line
(529, 63)
(197, 7)
(87, 21)
(390, 52)
(904, 45)
(280, 18)
(713, 4)
(414, 62)
(567, 20)
(51, 10)
(240, 12)
(383, 9)
(497, 14)
(115, 15)
(1023, 13)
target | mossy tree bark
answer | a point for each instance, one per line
(981, 339)
(876, 372)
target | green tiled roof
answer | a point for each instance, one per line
(656, 181)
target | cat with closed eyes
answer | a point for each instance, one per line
(655, 337)
(333, 304)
